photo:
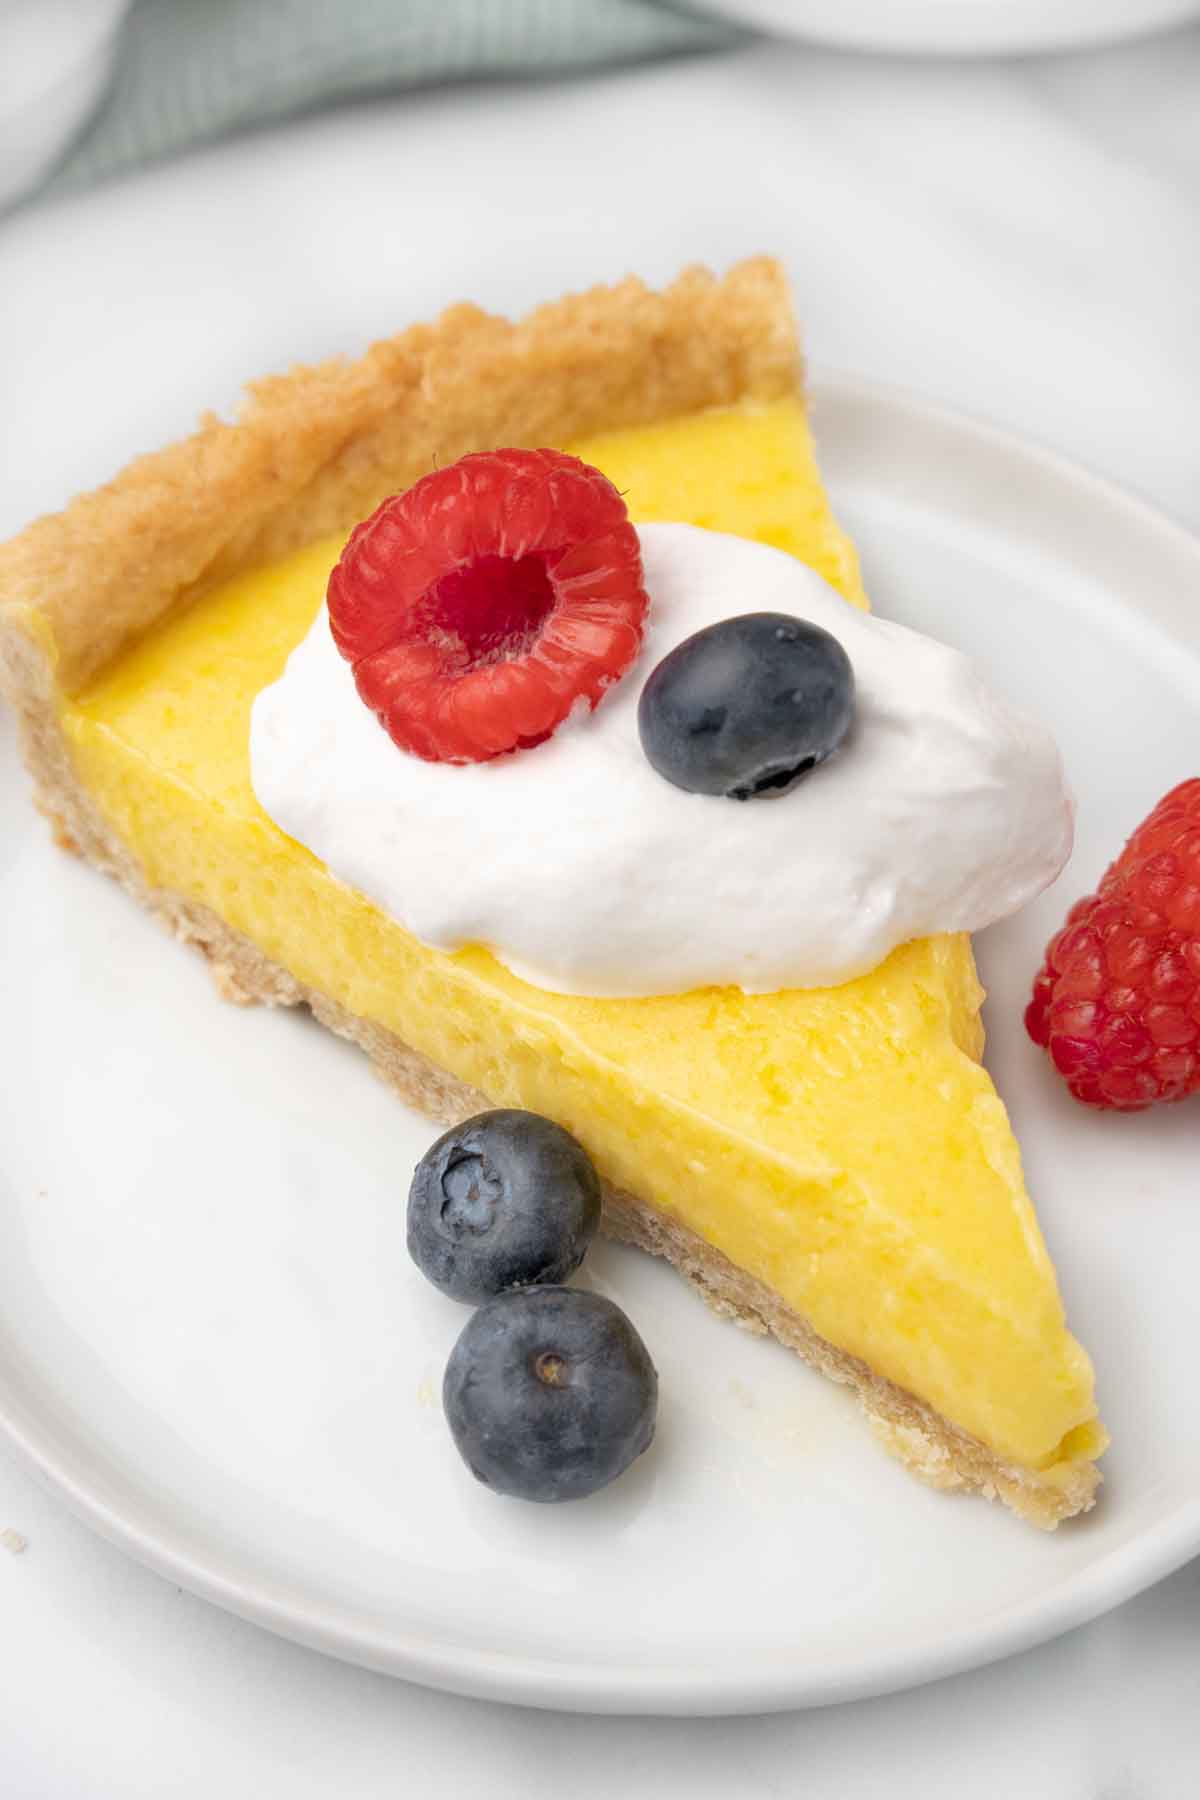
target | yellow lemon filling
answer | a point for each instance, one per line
(844, 1146)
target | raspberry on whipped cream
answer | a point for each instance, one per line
(481, 605)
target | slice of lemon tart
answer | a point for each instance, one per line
(830, 1164)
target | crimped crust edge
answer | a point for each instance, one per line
(317, 449)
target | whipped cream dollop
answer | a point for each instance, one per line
(586, 872)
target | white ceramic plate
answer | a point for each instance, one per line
(958, 27)
(213, 1345)
(57, 57)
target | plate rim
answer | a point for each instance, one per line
(780, 1683)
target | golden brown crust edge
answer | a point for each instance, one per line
(317, 449)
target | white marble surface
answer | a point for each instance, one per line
(1019, 239)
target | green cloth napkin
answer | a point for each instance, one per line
(189, 71)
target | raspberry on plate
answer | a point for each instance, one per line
(482, 605)
(1117, 1001)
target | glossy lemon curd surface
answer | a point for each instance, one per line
(843, 1145)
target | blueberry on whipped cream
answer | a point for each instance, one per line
(747, 707)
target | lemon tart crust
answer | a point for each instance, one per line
(315, 451)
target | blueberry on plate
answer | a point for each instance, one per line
(503, 1201)
(747, 707)
(550, 1394)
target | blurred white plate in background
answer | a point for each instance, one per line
(957, 27)
(56, 57)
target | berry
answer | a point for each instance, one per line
(503, 1201)
(481, 606)
(747, 707)
(1116, 1004)
(550, 1394)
